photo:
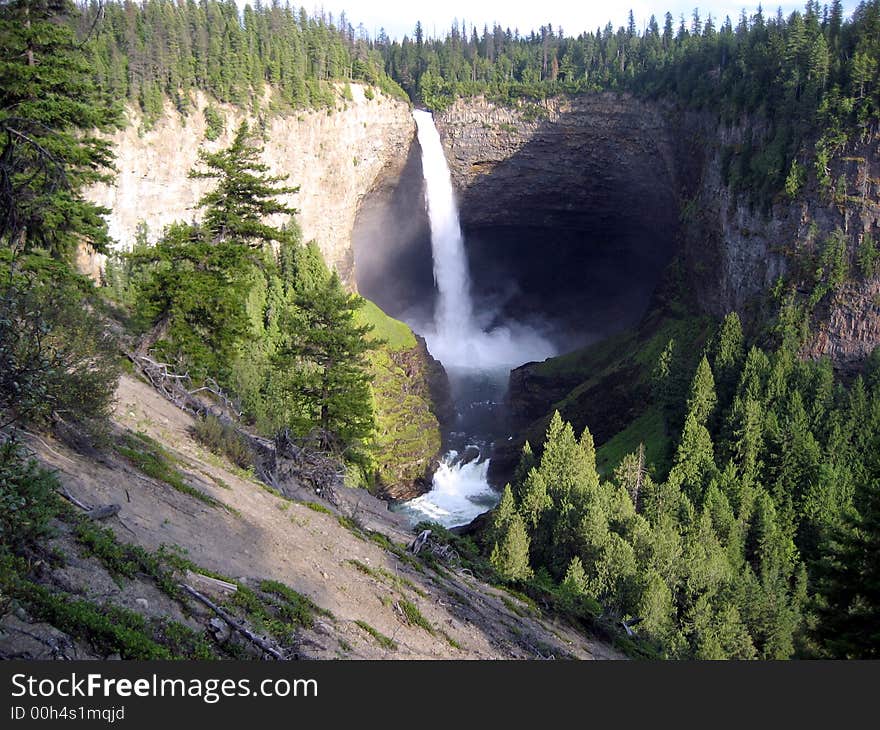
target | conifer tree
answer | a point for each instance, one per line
(728, 356)
(501, 516)
(245, 194)
(510, 555)
(325, 356)
(535, 501)
(850, 582)
(525, 465)
(702, 399)
(50, 110)
(575, 581)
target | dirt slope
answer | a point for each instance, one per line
(259, 535)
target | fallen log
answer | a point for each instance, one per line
(214, 586)
(234, 623)
(419, 542)
(103, 512)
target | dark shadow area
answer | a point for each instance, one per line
(575, 287)
(570, 234)
(392, 245)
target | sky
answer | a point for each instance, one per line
(398, 17)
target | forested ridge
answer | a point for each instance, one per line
(147, 52)
(811, 77)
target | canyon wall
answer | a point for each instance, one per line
(607, 162)
(335, 157)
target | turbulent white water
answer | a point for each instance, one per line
(477, 361)
(459, 493)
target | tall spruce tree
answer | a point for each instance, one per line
(50, 110)
(510, 555)
(850, 583)
(245, 196)
(325, 356)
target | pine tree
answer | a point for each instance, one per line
(193, 293)
(510, 556)
(245, 194)
(535, 501)
(49, 112)
(501, 516)
(849, 624)
(702, 399)
(525, 465)
(325, 356)
(694, 464)
(729, 355)
(568, 467)
(575, 581)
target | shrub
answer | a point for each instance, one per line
(223, 439)
(56, 357)
(27, 496)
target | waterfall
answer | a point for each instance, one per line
(477, 361)
(456, 338)
(454, 315)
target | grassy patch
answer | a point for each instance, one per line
(380, 638)
(151, 459)
(414, 616)
(297, 607)
(109, 629)
(223, 439)
(649, 429)
(121, 559)
(396, 334)
(381, 574)
(314, 506)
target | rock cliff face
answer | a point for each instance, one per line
(649, 179)
(572, 203)
(735, 253)
(564, 163)
(335, 156)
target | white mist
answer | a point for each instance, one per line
(455, 339)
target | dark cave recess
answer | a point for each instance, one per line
(577, 273)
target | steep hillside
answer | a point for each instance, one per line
(358, 592)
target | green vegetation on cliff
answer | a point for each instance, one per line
(407, 435)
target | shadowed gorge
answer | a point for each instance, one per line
(569, 218)
(499, 345)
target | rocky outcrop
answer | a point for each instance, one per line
(735, 253)
(413, 409)
(334, 156)
(562, 163)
